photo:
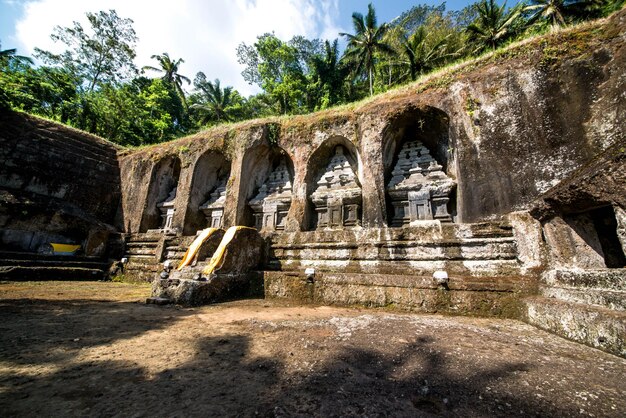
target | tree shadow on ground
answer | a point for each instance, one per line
(226, 377)
(29, 327)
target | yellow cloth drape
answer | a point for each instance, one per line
(195, 246)
(218, 256)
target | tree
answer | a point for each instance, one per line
(277, 67)
(422, 56)
(104, 54)
(215, 103)
(559, 12)
(9, 56)
(366, 41)
(328, 73)
(169, 68)
(493, 24)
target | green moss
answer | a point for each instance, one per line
(273, 134)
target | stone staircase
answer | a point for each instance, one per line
(143, 252)
(147, 251)
(175, 248)
(586, 306)
(20, 266)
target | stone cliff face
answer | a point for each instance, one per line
(57, 184)
(506, 128)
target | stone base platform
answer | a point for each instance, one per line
(215, 288)
(485, 296)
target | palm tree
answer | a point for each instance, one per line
(493, 24)
(8, 56)
(421, 56)
(366, 41)
(329, 72)
(169, 68)
(217, 102)
(556, 12)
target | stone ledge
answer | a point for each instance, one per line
(20, 273)
(597, 327)
(611, 299)
(614, 279)
(464, 296)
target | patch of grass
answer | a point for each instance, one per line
(120, 278)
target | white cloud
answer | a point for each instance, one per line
(204, 33)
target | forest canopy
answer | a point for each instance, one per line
(94, 84)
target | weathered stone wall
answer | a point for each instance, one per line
(583, 217)
(507, 128)
(56, 183)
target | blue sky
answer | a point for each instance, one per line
(205, 33)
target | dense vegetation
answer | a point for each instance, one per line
(94, 84)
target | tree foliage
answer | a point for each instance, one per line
(213, 103)
(102, 54)
(94, 84)
(169, 68)
(366, 42)
(494, 24)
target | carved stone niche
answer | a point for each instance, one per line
(213, 208)
(419, 189)
(271, 204)
(166, 208)
(337, 198)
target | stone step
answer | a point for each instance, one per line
(595, 326)
(22, 255)
(68, 262)
(174, 256)
(176, 248)
(416, 267)
(610, 299)
(42, 273)
(414, 253)
(141, 258)
(139, 244)
(132, 252)
(451, 243)
(609, 279)
(144, 238)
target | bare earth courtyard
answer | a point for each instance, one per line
(94, 349)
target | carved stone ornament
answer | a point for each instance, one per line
(213, 208)
(271, 204)
(419, 189)
(167, 210)
(337, 198)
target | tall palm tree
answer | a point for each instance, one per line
(217, 101)
(422, 56)
(494, 23)
(169, 68)
(556, 12)
(329, 71)
(10, 55)
(366, 41)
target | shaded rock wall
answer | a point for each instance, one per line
(56, 183)
(506, 127)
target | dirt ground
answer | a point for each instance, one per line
(94, 349)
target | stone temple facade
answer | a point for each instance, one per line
(496, 189)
